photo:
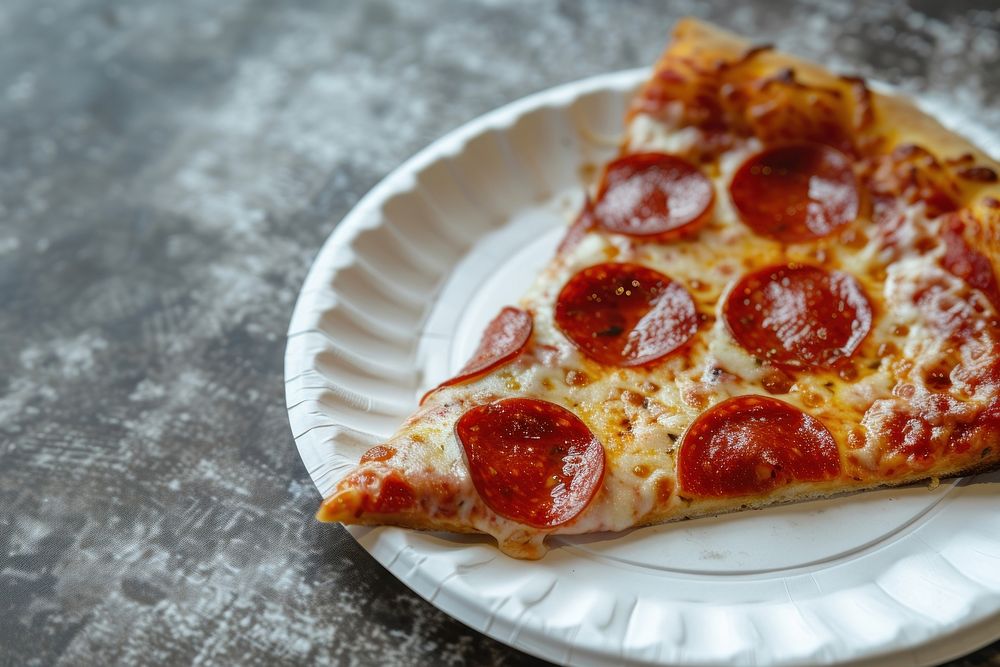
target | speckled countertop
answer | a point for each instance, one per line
(168, 170)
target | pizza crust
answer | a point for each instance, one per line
(895, 117)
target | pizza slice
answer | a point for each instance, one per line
(784, 287)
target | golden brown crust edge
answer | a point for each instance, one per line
(837, 488)
(896, 118)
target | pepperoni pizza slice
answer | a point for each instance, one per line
(784, 287)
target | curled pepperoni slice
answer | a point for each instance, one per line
(531, 461)
(504, 339)
(798, 316)
(653, 194)
(796, 193)
(752, 444)
(625, 314)
(578, 230)
(968, 263)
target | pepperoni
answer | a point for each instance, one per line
(753, 444)
(503, 340)
(798, 316)
(396, 495)
(378, 454)
(625, 314)
(653, 194)
(531, 461)
(796, 192)
(583, 224)
(969, 264)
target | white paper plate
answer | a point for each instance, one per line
(396, 301)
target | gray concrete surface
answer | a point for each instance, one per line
(168, 170)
